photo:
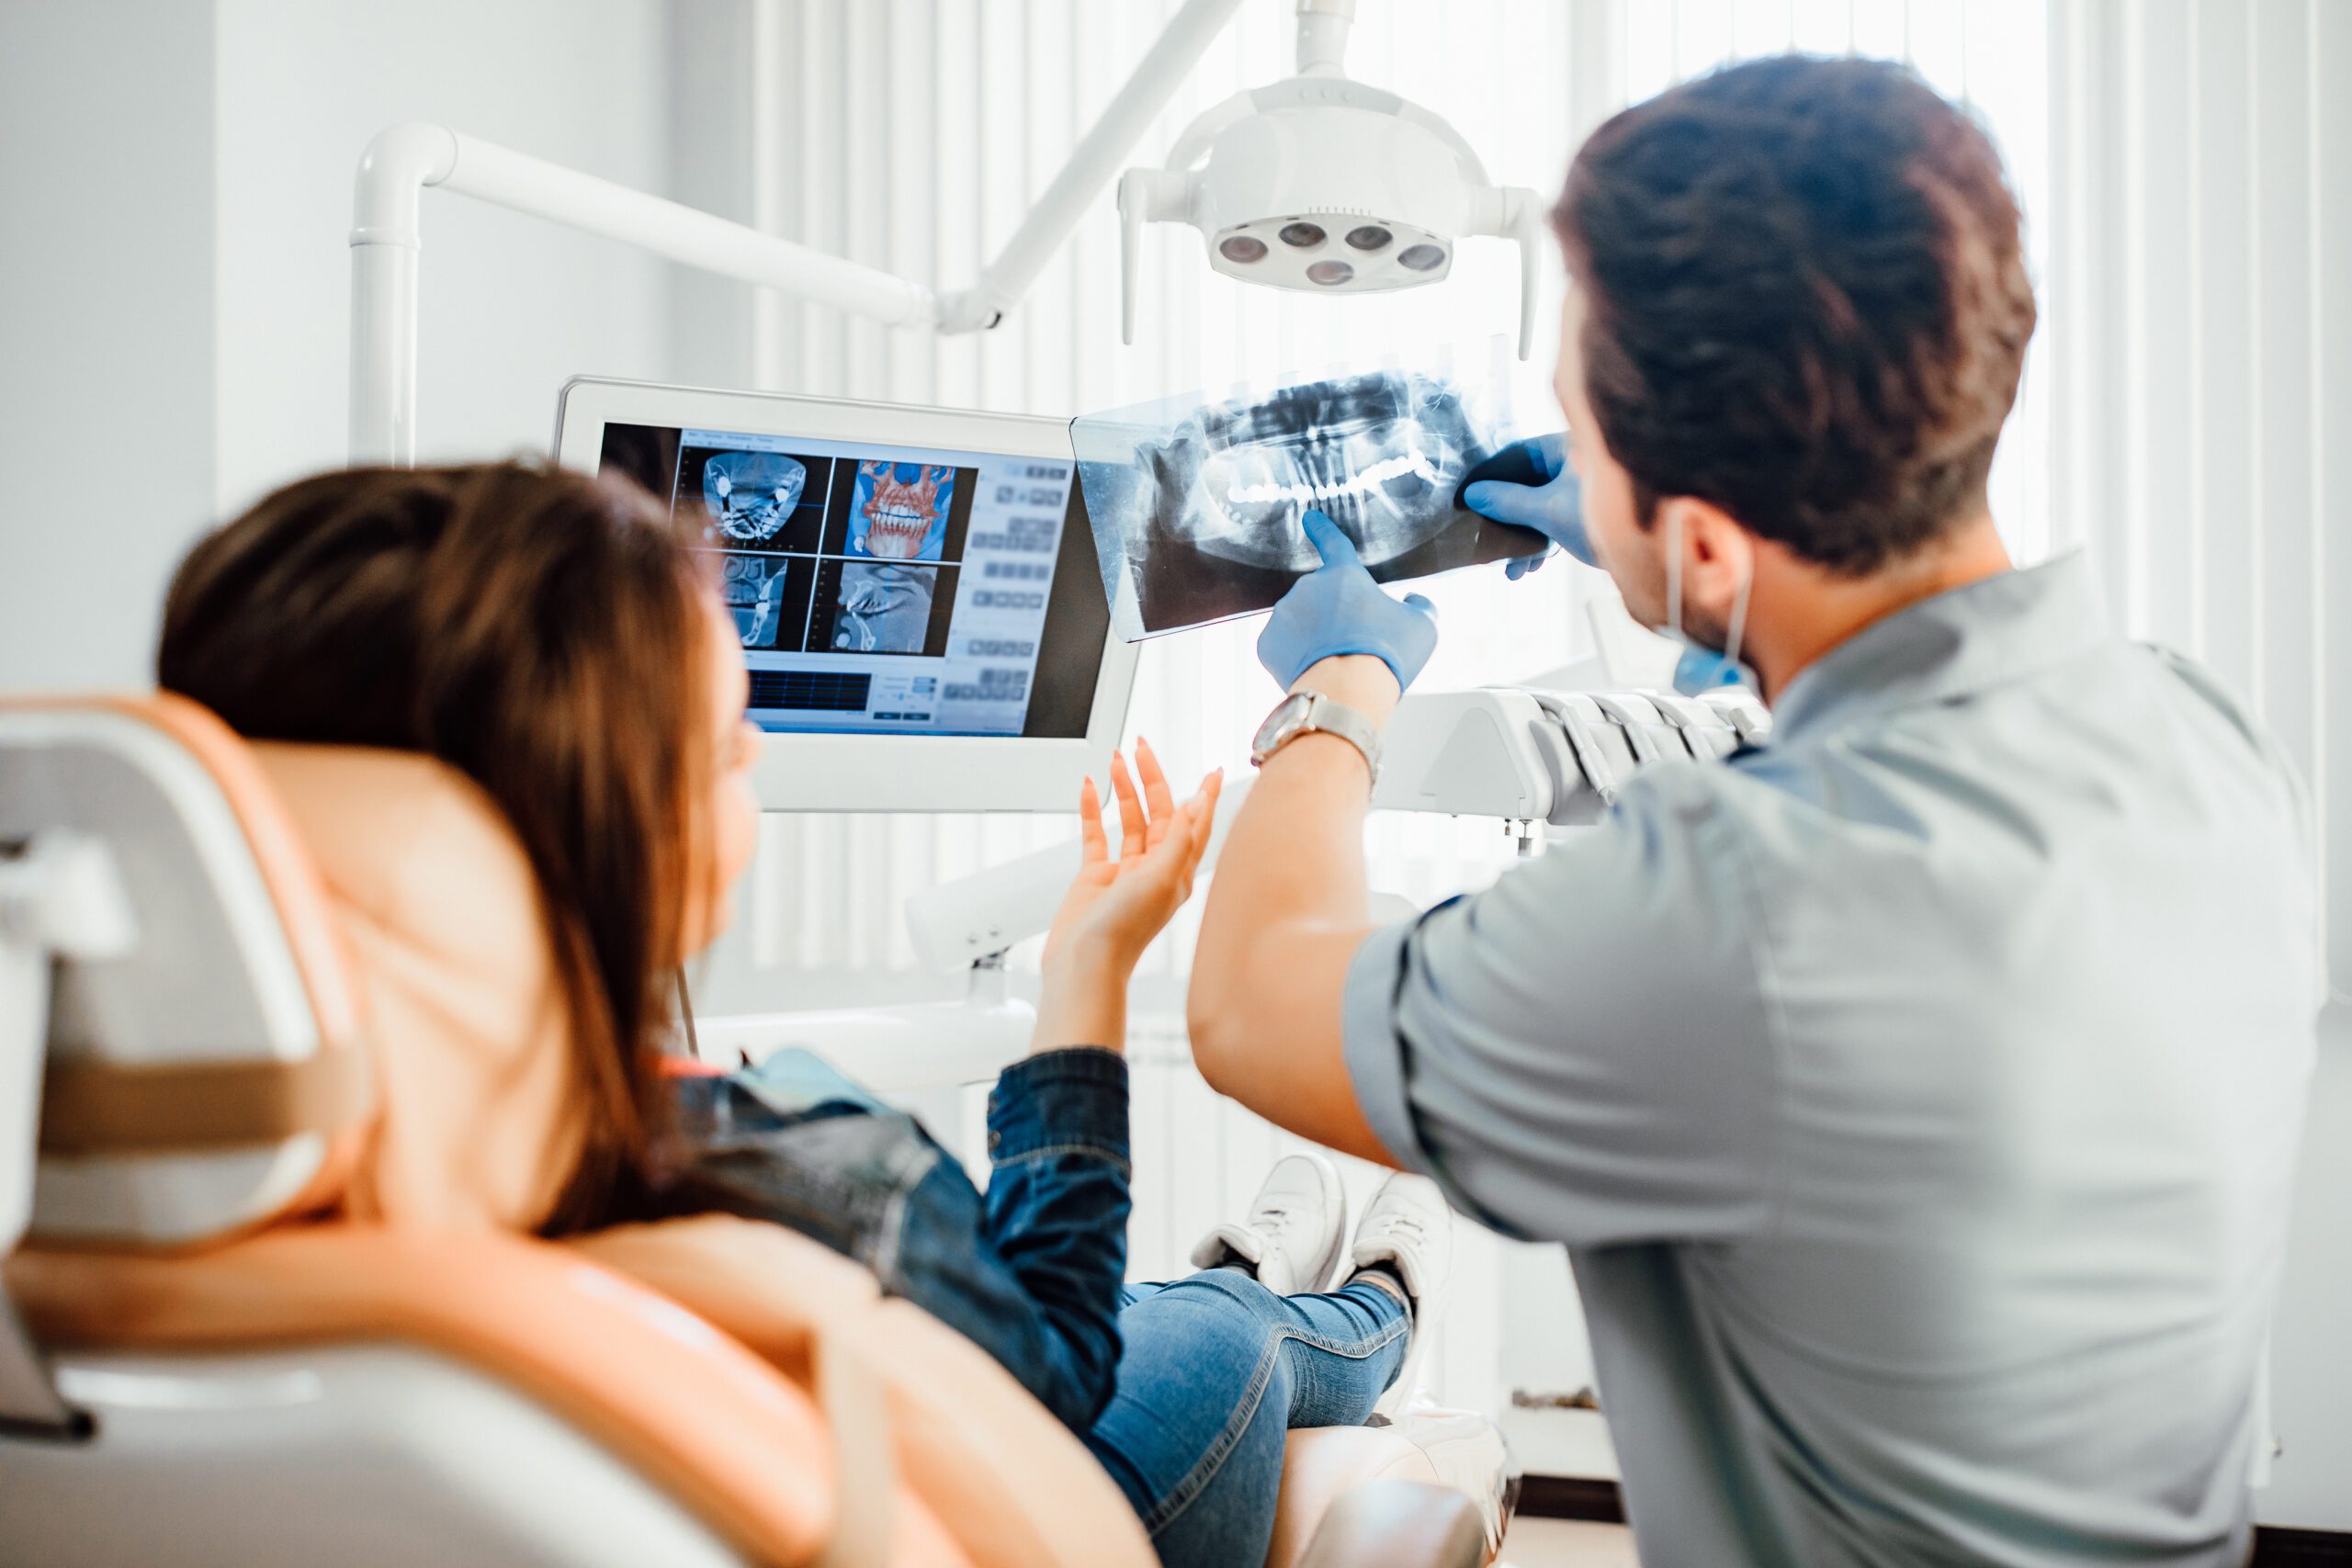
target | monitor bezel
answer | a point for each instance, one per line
(881, 772)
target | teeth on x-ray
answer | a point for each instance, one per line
(1380, 455)
(1322, 493)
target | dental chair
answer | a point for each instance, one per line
(204, 1358)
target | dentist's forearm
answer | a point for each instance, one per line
(1286, 911)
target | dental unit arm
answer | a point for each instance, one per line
(1533, 754)
(1344, 150)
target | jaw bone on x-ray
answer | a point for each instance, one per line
(750, 495)
(884, 608)
(1196, 514)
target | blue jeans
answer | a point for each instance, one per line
(1182, 1391)
(1216, 1369)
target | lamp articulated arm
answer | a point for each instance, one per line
(404, 159)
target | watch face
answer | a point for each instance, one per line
(1288, 714)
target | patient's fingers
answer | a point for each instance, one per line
(1095, 844)
(1132, 826)
(1156, 793)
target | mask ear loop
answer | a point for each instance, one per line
(1674, 575)
(1738, 619)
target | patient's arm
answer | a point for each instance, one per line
(1286, 912)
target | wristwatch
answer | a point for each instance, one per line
(1307, 713)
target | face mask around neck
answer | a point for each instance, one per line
(1700, 668)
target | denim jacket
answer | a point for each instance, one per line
(1030, 1271)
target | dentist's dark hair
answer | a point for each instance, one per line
(541, 633)
(1806, 302)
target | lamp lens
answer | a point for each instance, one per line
(1243, 248)
(1329, 271)
(1371, 237)
(1306, 236)
(1422, 258)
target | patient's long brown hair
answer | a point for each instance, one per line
(539, 631)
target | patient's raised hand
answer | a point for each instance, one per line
(1115, 906)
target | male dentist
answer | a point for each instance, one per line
(1918, 1094)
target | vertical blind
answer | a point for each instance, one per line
(2202, 440)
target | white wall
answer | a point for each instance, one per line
(509, 306)
(174, 203)
(107, 425)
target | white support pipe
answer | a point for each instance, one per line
(402, 160)
(1323, 36)
(393, 173)
(1059, 212)
(405, 159)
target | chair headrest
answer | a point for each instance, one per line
(480, 1114)
(208, 1078)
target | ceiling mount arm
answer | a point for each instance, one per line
(404, 159)
(1323, 36)
(1007, 279)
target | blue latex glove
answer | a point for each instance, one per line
(1337, 608)
(1553, 509)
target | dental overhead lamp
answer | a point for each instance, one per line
(1317, 183)
(1323, 185)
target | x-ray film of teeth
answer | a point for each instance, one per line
(750, 495)
(900, 511)
(885, 608)
(1197, 507)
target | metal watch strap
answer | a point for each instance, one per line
(1327, 716)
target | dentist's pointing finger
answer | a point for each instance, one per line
(1337, 609)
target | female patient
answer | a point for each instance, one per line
(555, 640)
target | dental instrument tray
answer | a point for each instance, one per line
(1197, 505)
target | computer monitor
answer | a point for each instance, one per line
(916, 589)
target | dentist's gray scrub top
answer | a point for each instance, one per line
(1918, 1096)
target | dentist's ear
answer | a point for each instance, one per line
(1718, 554)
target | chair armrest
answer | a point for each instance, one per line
(1399, 1524)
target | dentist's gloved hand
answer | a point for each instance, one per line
(1553, 509)
(1337, 608)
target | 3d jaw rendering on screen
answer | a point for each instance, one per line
(899, 514)
(1379, 455)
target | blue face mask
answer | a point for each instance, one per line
(1702, 669)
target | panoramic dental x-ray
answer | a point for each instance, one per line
(1197, 507)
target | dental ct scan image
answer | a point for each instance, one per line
(750, 495)
(884, 608)
(1197, 506)
(901, 510)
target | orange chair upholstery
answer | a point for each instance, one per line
(290, 1149)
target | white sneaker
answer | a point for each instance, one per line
(1409, 1229)
(1292, 1237)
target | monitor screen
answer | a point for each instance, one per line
(891, 590)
